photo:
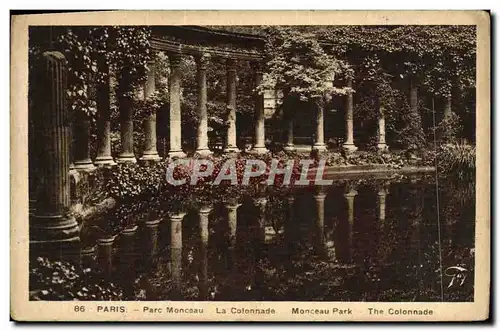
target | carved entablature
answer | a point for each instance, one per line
(194, 41)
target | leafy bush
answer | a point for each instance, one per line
(457, 159)
(56, 280)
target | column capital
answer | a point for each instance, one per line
(231, 64)
(152, 223)
(260, 201)
(320, 196)
(350, 193)
(174, 59)
(232, 206)
(202, 60)
(177, 217)
(130, 230)
(257, 66)
(204, 210)
(382, 189)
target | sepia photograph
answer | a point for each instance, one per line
(250, 166)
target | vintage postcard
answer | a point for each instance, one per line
(250, 166)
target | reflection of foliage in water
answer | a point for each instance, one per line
(399, 261)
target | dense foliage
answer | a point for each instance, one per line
(56, 280)
(309, 64)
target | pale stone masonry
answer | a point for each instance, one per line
(104, 156)
(175, 107)
(150, 152)
(202, 135)
(349, 141)
(52, 227)
(231, 107)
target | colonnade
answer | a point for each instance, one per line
(82, 159)
(52, 199)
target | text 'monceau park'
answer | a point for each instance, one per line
(388, 113)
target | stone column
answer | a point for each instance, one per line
(260, 135)
(52, 230)
(152, 241)
(202, 136)
(349, 196)
(82, 143)
(231, 105)
(414, 104)
(103, 120)
(203, 215)
(319, 144)
(175, 150)
(176, 252)
(150, 151)
(126, 119)
(381, 146)
(447, 107)
(349, 125)
(319, 243)
(447, 114)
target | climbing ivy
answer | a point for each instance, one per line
(299, 65)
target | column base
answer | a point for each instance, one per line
(203, 152)
(151, 156)
(85, 165)
(349, 147)
(259, 150)
(104, 160)
(319, 147)
(289, 148)
(54, 236)
(126, 158)
(382, 147)
(176, 154)
(231, 150)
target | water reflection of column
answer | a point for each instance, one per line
(105, 255)
(349, 196)
(382, 248)
(381, 196)
(176, 252)
(416, 219)
(127, 258)
(257, 272)
(415, 257)
(87, 256)
(260, 203)
(319, 242)
(232, 221)
(289, 230)
(203, 214)
(127, 247)
(152, 241)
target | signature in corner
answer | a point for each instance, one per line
(458, 274)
